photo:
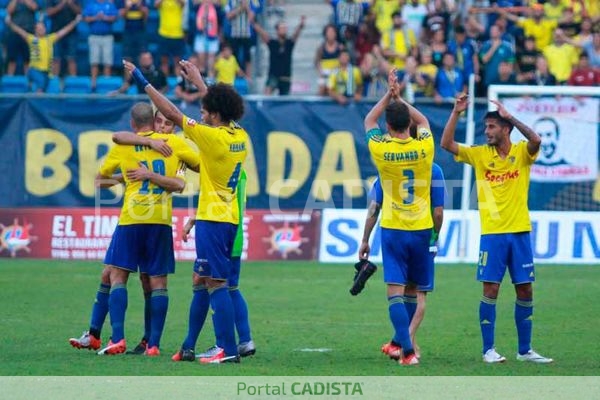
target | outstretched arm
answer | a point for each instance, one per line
(447, 142)
(299, 28)
(533, 139)
(16, 28)
(264, 36)
(132, 139)
(68, 28)
(164, 105)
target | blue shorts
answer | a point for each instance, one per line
(214, 241)
(171, 47)
(406, 257)
(234, 273)
(498, 251)
(148, 247)
(37, 79)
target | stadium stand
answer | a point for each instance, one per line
(14, 84)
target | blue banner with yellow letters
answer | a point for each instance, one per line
(304, 154)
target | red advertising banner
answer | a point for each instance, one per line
(85, 233)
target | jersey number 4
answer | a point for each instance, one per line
(234, 178)
(158, 166)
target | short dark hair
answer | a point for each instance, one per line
(142, 114)
(397, 116)
(222, 99)
(496, 115)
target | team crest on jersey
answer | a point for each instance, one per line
(285, 240)
(16, 237)
(191, 122)
(511, 159)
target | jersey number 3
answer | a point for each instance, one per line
(409, 186)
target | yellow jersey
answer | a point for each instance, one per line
(226, 69)
(170, 23)
(542, 32)
(561, 60)
(400, 41)
(383, 13)
(223, 150)
(40, 51)
(145, 202)
(502, 186)
(345, 81)
(404, 167)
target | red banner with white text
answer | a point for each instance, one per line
(85, 233)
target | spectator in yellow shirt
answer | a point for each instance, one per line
(345, 83)
(553, 9)
(227, 67)
(535, 25)
(561, 56)
(399, 42)
(41, 47)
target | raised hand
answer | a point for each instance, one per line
(190, 71)
(129, 66)
(501, 109)
(393, 85)
(461, 103)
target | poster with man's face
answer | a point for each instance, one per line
(568, 128)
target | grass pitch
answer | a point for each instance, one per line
(304, 322)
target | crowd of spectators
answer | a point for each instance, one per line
(435, 45)
(155, 34)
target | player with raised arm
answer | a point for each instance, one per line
(502, 175)
(223, 148)
(143, 238)
(414, 295)
(246, 346)
(404, 165)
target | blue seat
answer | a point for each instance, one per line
(53, 85)
(105, 84)
(14, 84)
(241, 85)
(77, 84)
